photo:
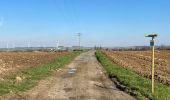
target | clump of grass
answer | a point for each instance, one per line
(33, 75)
(134, 81)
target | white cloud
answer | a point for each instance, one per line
(1, 21)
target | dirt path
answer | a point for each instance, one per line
(83, 79)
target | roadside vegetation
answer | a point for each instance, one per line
(133, 81)
(28, 78)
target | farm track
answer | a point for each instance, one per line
(83, 79)
(140, 62)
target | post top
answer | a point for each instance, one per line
(151, 35)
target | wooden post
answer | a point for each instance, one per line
(153, 67)
(153, 58)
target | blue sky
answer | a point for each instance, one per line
(101, 22)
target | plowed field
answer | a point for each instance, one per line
(140, 62)
(13, 61)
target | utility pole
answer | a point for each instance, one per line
(79, 40)
(153, 58)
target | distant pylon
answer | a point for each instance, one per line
(57, 46)
(79, 39)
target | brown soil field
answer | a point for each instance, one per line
(11, 62)
(140, 62)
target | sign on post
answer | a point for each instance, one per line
(153, 57)
(152, 43)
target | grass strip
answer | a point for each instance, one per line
(134, 81)
(34, 74)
